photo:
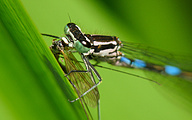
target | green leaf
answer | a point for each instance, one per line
(32, 85)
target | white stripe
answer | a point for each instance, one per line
(71, 34)
(87, 39)
(89, 52)
(65, 40)
(78, 27)
(95, 43)
(103, 52)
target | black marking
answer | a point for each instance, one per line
(103, 38)
(103, 47)
(53, 36)
(78, 35)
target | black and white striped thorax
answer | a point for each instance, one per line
(104, 47)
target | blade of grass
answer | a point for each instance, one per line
(32, 85)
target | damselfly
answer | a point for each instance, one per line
(82, 80)
(107, 48)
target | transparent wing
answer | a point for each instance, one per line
(81, 80)
(156, 56)
(172, 85)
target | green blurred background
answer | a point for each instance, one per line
(164, 24)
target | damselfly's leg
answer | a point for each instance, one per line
(81, 71)
(89, 68)
(87, 90)
(78, 93)
(80, 98)
(82, 101)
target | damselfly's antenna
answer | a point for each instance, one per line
(53, 36)
(69, 18)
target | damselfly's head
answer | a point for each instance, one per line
(72, 27)
(57, 46)
(61, 43)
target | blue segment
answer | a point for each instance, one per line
(125, 60)
(139, 63)
(171, 70)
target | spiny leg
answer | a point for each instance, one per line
(87, 90)
(78, 93)
(89, 68)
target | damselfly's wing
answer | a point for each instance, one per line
(156, 56)
(174, 84)
(181, 87)
(82, 80)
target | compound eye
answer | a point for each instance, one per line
(66, 30)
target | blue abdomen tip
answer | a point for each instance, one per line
(172, 70)
(125, 60)
(139, 63)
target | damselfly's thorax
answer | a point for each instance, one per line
(103, 42)
(104, 47)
